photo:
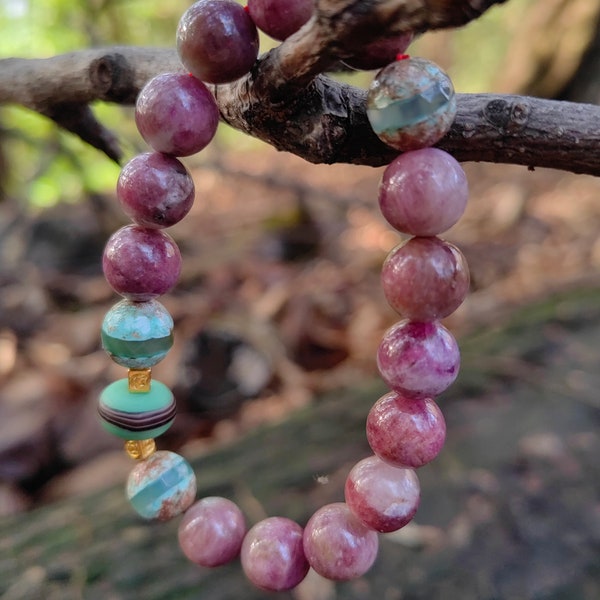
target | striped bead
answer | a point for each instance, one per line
(162, 486)
(135, 415)
(137, 335)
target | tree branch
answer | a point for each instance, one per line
(284, 101)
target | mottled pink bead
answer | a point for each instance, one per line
(419, 360)
(425, 278)
(176, 114)
(273, 556)
(406, 432)
(379, 53)
(383, 497)
(423, 192)
(211, 531)
(140, 263)
(155, 190)
(337, 544)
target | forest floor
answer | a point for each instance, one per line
(279, 304)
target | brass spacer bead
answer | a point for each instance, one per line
(140, 449)
(139, 380)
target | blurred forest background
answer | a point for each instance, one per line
(279, 301)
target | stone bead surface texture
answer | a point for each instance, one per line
(140, 263)
(406, 432)
(155, 190)
(211, 531)
(425, 278)
(176, 114)
(337, 544)
(217, 40)
(133, 415)
(411, 104)
(423, 192)
(162, 486)
(383, 497)
(273, 556)
(137, 335)
(419, 360)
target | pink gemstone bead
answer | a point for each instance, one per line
(155, 190)
(419, 360)
(141, 264)
(337, 544)
(406, 432)
(425, 278)
(273, 556)
(383, 497)
(176, 114)
(211, 531)
(423, 192)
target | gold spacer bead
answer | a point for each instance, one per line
(140, 449)
(139, 380)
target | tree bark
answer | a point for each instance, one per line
(287, 102)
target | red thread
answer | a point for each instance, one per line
(402, 56)
(246, 8)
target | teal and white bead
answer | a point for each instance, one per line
(134, 415)
(411, 104)
(161, 486)
(137, 335)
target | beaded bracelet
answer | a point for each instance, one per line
(423, 192)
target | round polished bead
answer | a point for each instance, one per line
(140, 263)
(406, 432)
(134, 415)
(383, 497)
(211, 531)
(162, 486)
(411, 104)
(155, 190)
(381, 52)
(337, 544)
(137, 335)
(273, 556)
(425, 278)
(176, 114)
(418, 359)
(423, 192)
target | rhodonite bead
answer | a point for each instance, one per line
(217, 41)
(379, 53)
(161, 486)
(176, 114)
(137, 335)
(383, 497)
(423, 192)
(406, 432)
(419, 360)
(140, 263)
(425, 278)
(155, 190)
(411, 104)
(133, 415)
(337, 544)
(272, 554)
(211, 531)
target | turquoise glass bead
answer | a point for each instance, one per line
(137, 335)
(161, 486)
(411, 104)
(135, 415)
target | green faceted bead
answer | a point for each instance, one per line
(137, 335)
(135, 415)
(162, 486)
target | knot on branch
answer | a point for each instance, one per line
(114, 78)
(507, 116)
